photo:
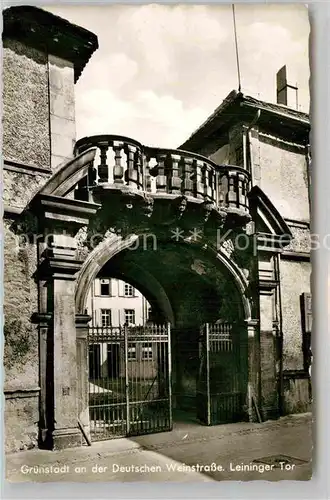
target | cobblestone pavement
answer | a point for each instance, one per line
(272, 451)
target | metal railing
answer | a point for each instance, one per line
(219, 392)
(129, 380)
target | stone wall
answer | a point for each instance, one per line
(62, 110)
(296, 395)
(21, 420)
(301, 241)
(283, 177)
(295, 280)
(25, 104)
(279, 169)
(19, 188)
(21, 341)
(221, 156)
(39, 107)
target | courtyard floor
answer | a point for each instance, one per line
(189, 453)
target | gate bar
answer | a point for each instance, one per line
(169, 350)
(126, 381)
(207, 335)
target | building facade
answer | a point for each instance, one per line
(214, 234)
(112, 302)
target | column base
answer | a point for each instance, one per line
(66, 438)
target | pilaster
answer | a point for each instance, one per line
(253, 356)
(267, 285)
(82, 321)
(60, 219)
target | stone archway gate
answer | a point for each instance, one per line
(199, 193)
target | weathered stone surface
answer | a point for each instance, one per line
(301, 241)
(21, 423)
(284, 178)
(62, 109)
(21, 342)
(19, 189)
(25, 104)
(295, 280)
(296, 396)
(20, 301)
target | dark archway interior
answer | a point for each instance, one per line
(198, 288)
(188, 288)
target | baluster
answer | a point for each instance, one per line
(187, 172)
(246, 184)
(161, 179)
(131, 174)
(232, 192)
(146, 179)
(223, 189)
(118, 169)
(211, 177)
(173, 167)
(103, 169)
(138, 158)
(216, 187)
(241, 191)
(205, 178)
(199, 186)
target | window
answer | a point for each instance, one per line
(130, 316)
(105, 287)
(128, 290)
(147, 350)
(106, 317)
(131, 351)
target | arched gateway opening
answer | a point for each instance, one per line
(187, 361)
(164, 222)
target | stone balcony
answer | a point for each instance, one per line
(166, 187)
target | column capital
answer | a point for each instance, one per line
(252, 325)
(59, 268)
(82, 320)
(56, 213)
(42, 319)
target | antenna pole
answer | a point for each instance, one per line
(236, 47)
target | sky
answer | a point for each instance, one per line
(161, 70)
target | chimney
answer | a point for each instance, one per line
(287, 94)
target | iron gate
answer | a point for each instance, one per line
(219, 388)
(129, 380)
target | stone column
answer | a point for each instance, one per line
(82, 321)
(43, 319)
(268, 338)
(60, 219)
(253, 355)
(61, 268)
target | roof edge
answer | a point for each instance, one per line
(45, 31)
(235, 99)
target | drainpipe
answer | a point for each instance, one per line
(309, 174)
(248, 146)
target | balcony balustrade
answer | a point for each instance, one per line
(124, 163)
